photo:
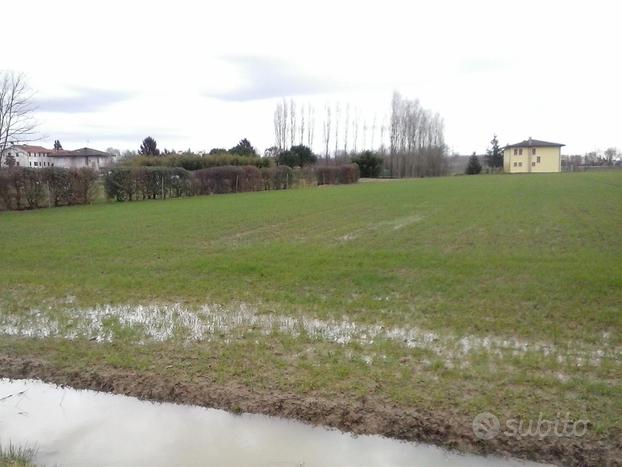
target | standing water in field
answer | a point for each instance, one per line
(82, 428)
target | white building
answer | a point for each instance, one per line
(38, 157)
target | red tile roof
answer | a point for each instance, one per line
(29, 148)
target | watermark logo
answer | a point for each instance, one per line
(487, 426)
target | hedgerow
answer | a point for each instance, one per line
(337, 174)
(29, 188)
(197, 162)
(136, 183)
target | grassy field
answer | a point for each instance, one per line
(461, 294)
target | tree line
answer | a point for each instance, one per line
(410, 142)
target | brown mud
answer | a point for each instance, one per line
(363, 416)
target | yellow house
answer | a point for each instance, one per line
(532, 155)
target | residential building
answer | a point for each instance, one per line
(25, 155)
(532, 156)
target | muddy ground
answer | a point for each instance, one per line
(363, 416)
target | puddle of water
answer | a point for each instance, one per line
(85, 428)
(162, 322)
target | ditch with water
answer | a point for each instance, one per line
(71, 427)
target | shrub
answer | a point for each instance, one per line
(370, 164)
(473, 167)
(69, 186)
(305, 177)
(58, 184)
(34, 193)
(197, 162)
(288, 159)
(297, 156)
(277, 178)
(348, 173)
(252, 180)
(29, 188)
(243, 148)
(83, 185)
(227, 179)
(120, 184)
(127, 184)
(6, 193)
(336, 174)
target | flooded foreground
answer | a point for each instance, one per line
(71, 428)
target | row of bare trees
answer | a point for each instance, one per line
(417, 143)
(412, 137)
(293, 125)
(343, 130)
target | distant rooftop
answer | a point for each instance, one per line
(82, 152)
(30, 148)
(535, 143)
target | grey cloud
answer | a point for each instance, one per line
(83, 100)
(271, 77)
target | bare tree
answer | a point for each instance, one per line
(278, 125)
(611, 154)
(310, 126)
(17, 123)
(293, 127)
(302, 124)
(417, 146)
(346, 128)
(285, 123)
(373, 132)
(327, 125)
(383, 128)
(337, 118)
(355, 128)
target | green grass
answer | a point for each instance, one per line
(537, 258)
(16, 456)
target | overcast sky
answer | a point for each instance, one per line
(204, 74)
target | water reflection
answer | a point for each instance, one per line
(84, 428)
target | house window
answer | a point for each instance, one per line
(515, 152)
(30, 164)
(533, 151)
(36, 164)
(538, 159)
(533, 164)
(520, 152)
(520, 164)
(17, 163)
(515, 164)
